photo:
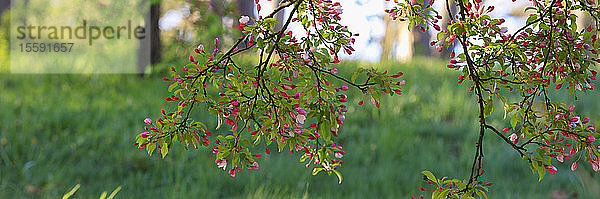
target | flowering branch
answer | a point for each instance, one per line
(286, 98)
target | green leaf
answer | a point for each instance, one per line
(219, 121)
(151, 148)
(488, 107)
(325, 131)
(435, 194)
(354, 76)
(270, 20)
(339, 175)
(539, 169)
(114, 193)
(304, 157)
(531, 18)
(172, 86)
(280, 145)
(430, 176)
(440, 35)
(70, 193)
(571, 90)
(444, 193)
(317, 170)
(164, 149)
(514, 119)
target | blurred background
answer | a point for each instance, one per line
(59, 130)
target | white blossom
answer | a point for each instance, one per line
(244, 19)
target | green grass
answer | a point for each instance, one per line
(60, 130)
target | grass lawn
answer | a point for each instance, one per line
(60, 130)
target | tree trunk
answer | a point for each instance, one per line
(388, 40)
(216, 6)
(397, 40)
(4, 4)
(279, 16)
(154, 45)
(155, 34)
(246, 7)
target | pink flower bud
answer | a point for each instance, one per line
(401, 83)
(232, 172)
(334, 70)
(148, 121)
(289, 87)
(398, 75)
(302, 112)
(591, 138)
(571, 108)
(585, 120)
(551, 169)
(591, 128)
(216, 42)
(201, 48)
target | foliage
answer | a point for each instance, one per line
(290, 85)
(274, 100)
(104, 194)
(80, 127)
(548, 53)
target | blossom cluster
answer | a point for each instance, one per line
(294, 96)
(522, 69)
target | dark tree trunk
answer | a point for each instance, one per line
(246, 7)
(279, 16)
(155, 34)
(154, 45)
(216, 6)
(4, 4)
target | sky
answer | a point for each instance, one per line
(364, 17)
